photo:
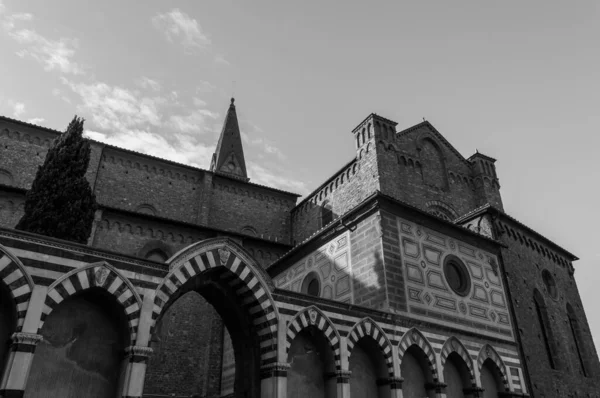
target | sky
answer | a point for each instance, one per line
(518, 81)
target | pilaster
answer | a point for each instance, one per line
(18, 365)
(390, 387)
(273, 380)
(136, 361)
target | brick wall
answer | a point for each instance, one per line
(236, 206)
(524, 260)
(187, 350)
(344, 191)
(411, 175)
(394, 271)
(367, 264)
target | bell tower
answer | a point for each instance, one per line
(228, 158)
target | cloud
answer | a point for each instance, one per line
(220, 60)
(178, 26)
(117, 108)
(263, 144)
(52, 54)
(180, 148)
(194, 122)
(18, 109)
(263, 176)
(148, 84)
(36, 120)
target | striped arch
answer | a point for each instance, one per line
(251, 283)
(312, 316)
(488, 352)
(102, 275)
(416, 338)
(367, 327)
(454, 345)
(19, 283)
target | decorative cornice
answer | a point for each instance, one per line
(27, 338)
(138, 354)
(76, 248)
(276, 369)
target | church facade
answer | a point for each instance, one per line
(400, 276)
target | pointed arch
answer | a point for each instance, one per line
(414, 337)
(102, 275)
(453, 344)
(15, 276)
(488, 352)
(250, 281)
(312, 316)
(367, 327)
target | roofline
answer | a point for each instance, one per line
(129, 151)
(372, 114)
(195, 226)
(479, 154)
(364, 204)
(333, 176)
(489, 208)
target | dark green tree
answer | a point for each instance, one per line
(61, 203)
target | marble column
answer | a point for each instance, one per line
(18, 365)
(273, 380)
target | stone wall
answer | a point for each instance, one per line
(525, 261)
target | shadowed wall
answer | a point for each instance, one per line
(80, 356)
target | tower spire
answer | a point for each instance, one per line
(228, 158)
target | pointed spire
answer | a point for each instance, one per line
(228, 158)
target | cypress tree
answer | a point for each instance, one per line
(61, 203)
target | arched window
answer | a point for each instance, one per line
(326, 213)
(544, 325)
(576, 335)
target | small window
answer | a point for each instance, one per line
(311, 285)
(550, 284)
(457, 275)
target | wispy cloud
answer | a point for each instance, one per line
(117, 108)
(264, 145)
(36, 120)
(194, 122)
(220, 60)
(18, 109)
(178, 26)
(52, 54)
(261, 175)
(149, 84)
(181, 149)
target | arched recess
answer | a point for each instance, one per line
(416, 338)
(100, 275)
(417, 365)
(312, 316)
(545, 328)
(487, 353)
(250, 282)
(18, 281)
(367, 327)
(454, 345)
(577, 341)
(434, 162)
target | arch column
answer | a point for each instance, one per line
(473, 392)
(438, 387)
(136, 356)
(390, 387)
(273, 376)
(20, 358)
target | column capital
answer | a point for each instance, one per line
(436, 385)
(275, 369)
(473, 391)
(138, 353)
(342, 376)
(25, 342)
(395, 383)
